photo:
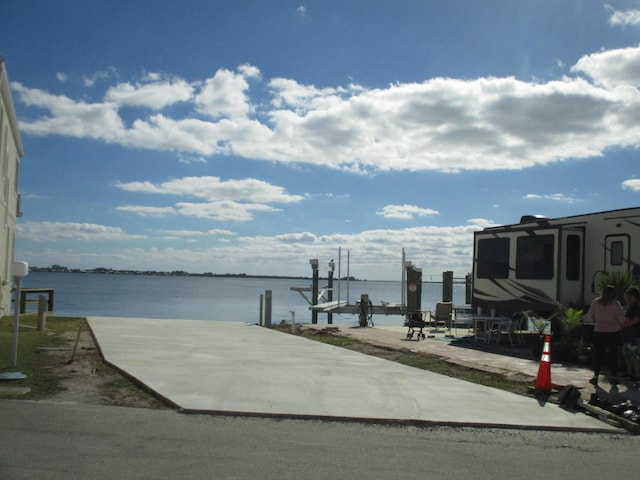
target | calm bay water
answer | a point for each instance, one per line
(211, 298)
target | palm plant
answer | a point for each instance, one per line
(619, 280)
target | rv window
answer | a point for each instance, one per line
(616, 253)
(573, 257)
(493, 258)
(534, 257)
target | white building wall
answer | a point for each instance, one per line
(10, 153)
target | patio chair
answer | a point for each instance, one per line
(461, 318)
(442, 315)
(510, 326)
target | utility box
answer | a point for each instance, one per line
(20, 269)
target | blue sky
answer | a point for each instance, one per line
(250, 136)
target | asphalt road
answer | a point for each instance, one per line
(45, 440)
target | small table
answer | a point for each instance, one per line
(486, 322)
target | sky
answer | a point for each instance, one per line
(249, 136)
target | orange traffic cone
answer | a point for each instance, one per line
(543, 380)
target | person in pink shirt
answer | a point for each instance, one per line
(608, 319)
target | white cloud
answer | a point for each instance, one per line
(612, 68)
(156, 95)
(288, 93)
(556, 197)
(56, 231)
(223, 210)
(102, 75)
(625, 17)
(188, 159)
(196, 233)
(632, 184)
(405, 212)
(482, 223)
(213, 188)
(146, 211)
(190, 135)
(302, 237)
(249, 71)
(223, 95)
(231, 200)
(69, 117)
(441, 124)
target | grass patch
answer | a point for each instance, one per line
(52, 368)
(41, 379)
(424, 361)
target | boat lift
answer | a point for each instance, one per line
(323, 302)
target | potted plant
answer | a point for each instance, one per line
(568, 343)
(540, 326)
(584, 352)
(619, 280)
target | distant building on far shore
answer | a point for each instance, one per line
(10, 153)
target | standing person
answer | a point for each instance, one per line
(630, 333)
(607, 316)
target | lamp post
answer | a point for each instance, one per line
(18, 270)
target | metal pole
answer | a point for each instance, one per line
(330, 294)
(348, 275)
(18, 270)
(339, 275)
(16, 323)
(402, 277)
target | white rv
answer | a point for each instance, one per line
(540, 262)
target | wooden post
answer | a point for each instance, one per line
(42, 313)
(267, 308)
(75, 346)
(261, 308)
(447, 286)
(23, 302)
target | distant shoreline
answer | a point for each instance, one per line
(180, 273)
(110, 271)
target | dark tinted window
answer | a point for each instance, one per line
(493, 258)
(534, 257)
(573, 257)
(616, 253)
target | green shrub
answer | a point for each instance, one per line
(619, 280)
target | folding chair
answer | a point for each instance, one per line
(442, 315)
(510, 326)
(462, 319)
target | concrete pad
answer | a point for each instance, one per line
(225, 367)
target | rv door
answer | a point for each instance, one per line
(617, 254)
(571, 283)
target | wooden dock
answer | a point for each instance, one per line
(26, 292)
(343, 306)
